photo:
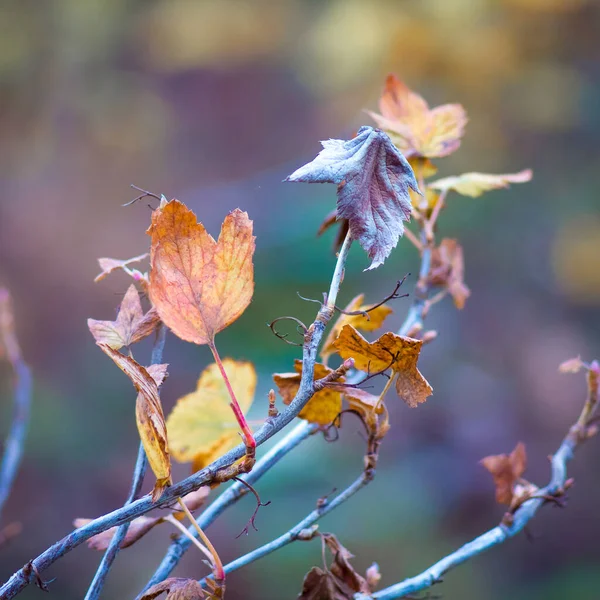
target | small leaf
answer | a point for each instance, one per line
(373, 576)
(320, 585)
(341, 569)
(149, 414)
(197, 285)
(448, 269)
(370, 322)
(326, 404)
(506, 471)
(108, 265)
(393, 351)
(131, 324)
(201, 425)
(374, 180)
(416, 129)
(176, 588)
(475, 184)
(573, 365)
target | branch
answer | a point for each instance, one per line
(508, 528)
(13, 449)
(230, 497)
(23, 577)
(136, 485)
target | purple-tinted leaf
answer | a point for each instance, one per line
(374, 179)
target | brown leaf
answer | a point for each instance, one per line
(9, 346)
(390, 351)
(373, 576)
(199, 286)
(131, 324)
(320, 585)
(416, 129)
(506, 471)
(373, 182)
(342, 570)
(108, 265)
(323, 407)
(138, 528)
(448, 269)
(176, 588)
(370, 322)
(149, 416)
(475, 184)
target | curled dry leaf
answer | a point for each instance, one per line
(573, 365)
(416, 129)
(329, 221)
(197, 285)
(475, 184)
(373, 576)
(201, 425)
(373, 183)
(176, 588)
(366, 405)
(366, 322)
(448, 269)
(390, 351)
(130, 326)
(326, 404)
(138, 528)
(149, 414)
(108, 265)
(507, 470)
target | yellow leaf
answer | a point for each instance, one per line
(373, 321)
(323, 407)
(416, 129)
(390, 351)
(199, 286)
(201, 426)
(475, 184)
(148, 413)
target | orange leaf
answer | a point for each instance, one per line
(506, 471)
(199, 286)
(448, 269)
(323, 407)
(149, 414)
(131, 324)
(373, 321)
(393, 351)
(416, 129)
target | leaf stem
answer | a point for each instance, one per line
(249, 440)
(338, 274)
(219, 572)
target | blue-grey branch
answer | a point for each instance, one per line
(141, 465)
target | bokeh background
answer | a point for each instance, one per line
(215, 102)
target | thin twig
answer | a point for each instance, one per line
(259, 503)
(141, 465)
(365, 313)
(13, 448)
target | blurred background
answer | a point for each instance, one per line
(215, 102)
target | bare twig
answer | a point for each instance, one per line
(13, 448)
(141, 465)
(365, 313)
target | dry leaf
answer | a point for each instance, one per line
(131, 324)
(373, 321)
(176, 588)
(373, 576)
(506, 471)
(448, 269)
(326, 404)
(329, 221)
(475, 184)
(320, 585)
(108, 265)
(390, 351)
(373, 182)
(138, 528)
(9, 345)
(199, 286)
(341, 569)
(149, 415)
(573, 365)
(201, 425)
(364, 403)
(416, 129)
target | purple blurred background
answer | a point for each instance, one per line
(215, 102)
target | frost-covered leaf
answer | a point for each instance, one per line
(373, 180)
